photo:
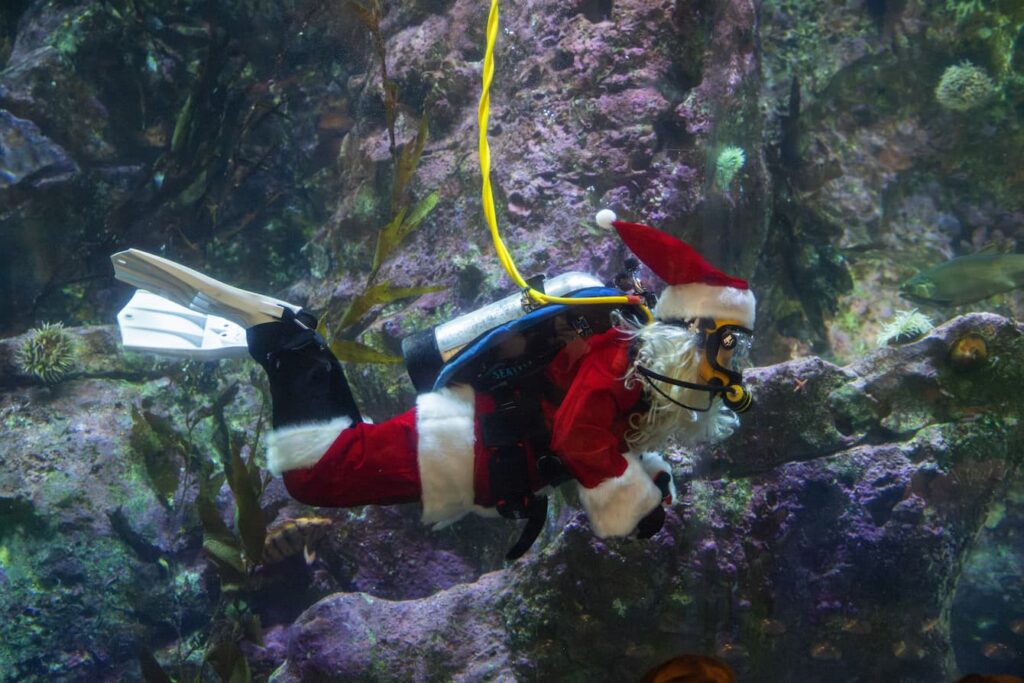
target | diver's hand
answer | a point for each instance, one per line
(655, 519)
(663, 481)
(651, 523)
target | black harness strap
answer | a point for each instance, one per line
(537, 513)
(517, 421)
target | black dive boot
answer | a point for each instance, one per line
(307, 383)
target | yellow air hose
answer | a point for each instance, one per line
(483, 113)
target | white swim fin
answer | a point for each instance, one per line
(151, 323)
(192, 289)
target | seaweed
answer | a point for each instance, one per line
(405, 216)
(406, 162)
(212, 456)
(229, 662)
(380, 293)
(152, 672)
(233, 552)
(159, 447)
(146, 551)
(370, 13)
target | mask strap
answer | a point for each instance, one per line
(649, 376)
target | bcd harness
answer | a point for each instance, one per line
(507, 363)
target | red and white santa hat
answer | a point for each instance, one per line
(696, 289)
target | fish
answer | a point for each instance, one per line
(1017, 626)
(772, 627)
(826, 652)
(690, 669)
(998, 652)
(857, 626)
(908, 650)
(966, 279)
(294, 536)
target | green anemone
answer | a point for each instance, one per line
(47, 353)
(727, 165)
(906, 326)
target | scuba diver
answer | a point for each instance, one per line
(598, 411)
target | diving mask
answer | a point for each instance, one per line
(725, 352)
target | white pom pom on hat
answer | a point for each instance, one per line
(696, 289)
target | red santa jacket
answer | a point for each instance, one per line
(434, 453)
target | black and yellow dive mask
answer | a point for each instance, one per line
(725, 347)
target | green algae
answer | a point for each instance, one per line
(45, 579)
(728, 500)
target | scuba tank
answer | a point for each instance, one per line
(427, 351)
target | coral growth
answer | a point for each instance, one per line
(964, 87)
(727, 165)
(906, 326)
(48, 353)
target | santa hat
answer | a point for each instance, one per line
(696, 289)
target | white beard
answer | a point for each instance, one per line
(672, 351)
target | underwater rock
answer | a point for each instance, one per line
(353, 636)
(807, 408)
(26, 155)
(74, 583)
(410, 561)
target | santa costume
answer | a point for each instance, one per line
(435, 454)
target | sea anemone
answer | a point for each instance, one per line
(964, 87)
(729, 162)
(48, 353)
(905, 327)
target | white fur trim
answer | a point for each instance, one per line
(444, 426)
(698, 300)
(302, 446)
(653, 463)
(616, 506)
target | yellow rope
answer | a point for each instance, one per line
(488, 199)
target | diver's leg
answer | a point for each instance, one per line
(326, 454)
(321, 445)
(307, 383)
